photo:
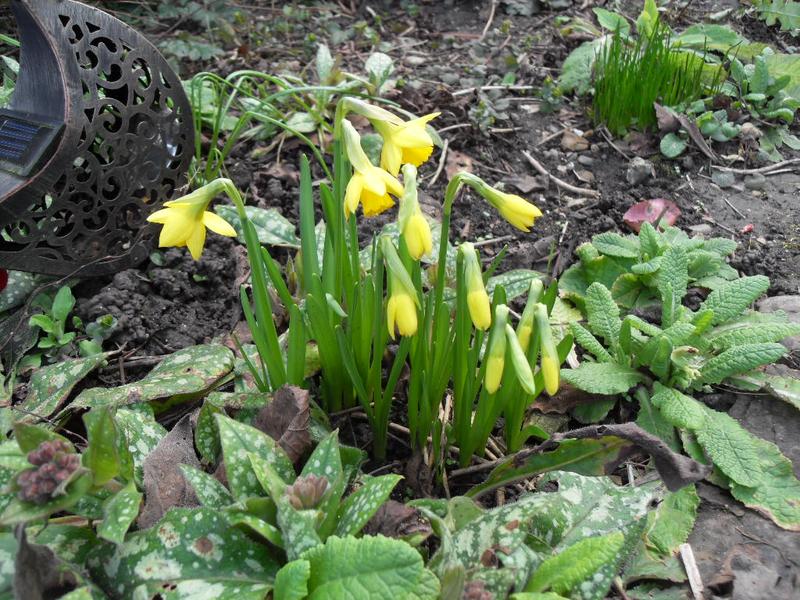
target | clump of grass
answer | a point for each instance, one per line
(631, 75)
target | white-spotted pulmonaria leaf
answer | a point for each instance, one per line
(195, 589)
(368, 567)
(298, 528)
(18, 288)
(187, 544)
(50, 386)
(271, 226)
(185, 373)
(237, 441)
(119, 511)
(515, 282)
(142, 433)
(209, 491)
(361, 505)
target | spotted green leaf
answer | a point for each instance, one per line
(119, 511)
(184, 374)
(197, 589)
(142, 434)
(19, 287)
(361, 505)
(270, 225)
(673, 521)
(208, 489)
(237, 441)
(51, 386)
(186, 545)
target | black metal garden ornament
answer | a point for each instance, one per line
(97, 134)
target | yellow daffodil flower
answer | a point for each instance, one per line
(412, 224)
(401, 314)
(496, 351)
(551, 372)
(369, 185)
(401, 309)
(185, 220)
(407, 142)
(514, 209)
(480, 310)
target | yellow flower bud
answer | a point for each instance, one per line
(551, 373)
(477, 299)
(413, 226)
(494, 373)
(526, 328)
(550, 363)
(401, 314)
(496, 350)
(514, 209)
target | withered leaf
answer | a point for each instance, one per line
(667, 119)
(37, 570)
(285, 419)
(456, 162)
(664, 211)
(164, 483)
(394, 519)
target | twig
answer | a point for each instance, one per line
(767, 169)
(733, 208)
(483, 88)
(451, 127)
(607, 138)
(489, 22)
(552, 136)
(562, 184)
(720, 225)
(442, 160)
(497, 240)
(486, 466)
(692, 572)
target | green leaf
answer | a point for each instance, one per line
(515, 282)
(63, 303)
(648, 18)
(731, 447)
(101, 457)
(291, 582)
(184, 374)
(602, 378)
(614, 244)
(576, 72)
(142, 434)
(208, 489)
(187, 544)
(603, 313)
(748, 332)
(588, 342)
(673, 520)
(361, 505)
(298, 528)
(679, 409)
(777, 494)
(672, 146)
(50, 386)
(587, 457)
(192, 589)
(576, 564)
(732, 299)
(237, 440)
(119, 511)
(672, 282)
(272, 228)
(786, 64)
(593, 412)
(650, 419)
(740, 359)
(783, 388)
(612, 21)
(367, 567)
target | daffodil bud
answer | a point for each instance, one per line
(401, 309)
(412, 224)
(525, 328)
(369, 184)
(514, 209)
(521, 365)
(496, 350)
(480, 310)
(550, 364)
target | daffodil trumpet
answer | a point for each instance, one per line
(184, 220)
(369, 185)
(405, 143)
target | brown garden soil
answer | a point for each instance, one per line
(439, 54)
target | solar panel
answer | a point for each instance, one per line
(25, 141)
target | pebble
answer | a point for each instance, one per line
(756, 181)
(639, 171)
(723, 179)
(701, 229)
(586, 160)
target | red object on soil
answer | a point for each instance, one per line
(650, 211)
(747, 228)
(3, 279)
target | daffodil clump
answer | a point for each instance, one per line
(452, 332)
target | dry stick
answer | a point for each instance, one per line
(607, 137)
(692, 572)
(451, 127)
(510, 88)
(552, 136)
(442, 160)
(733, 208)
(767, 169)
(562, 184)
(489, 22)
(497, 240)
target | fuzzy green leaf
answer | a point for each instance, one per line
(672, 146)
(672, 281)
(603, 313)
(731, 447)
(614, 244)
(679, 409)
(576, 564)
(732, 299)
(368, 567)
(602, 378)
(748, 332)
(291, 582)
(740, 359)
(674, 520)
(585, 339)
(102, 456)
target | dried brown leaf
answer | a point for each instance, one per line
(286, 419)
(457, 162)
(394, 519)
(659, 210)
(574, 142)
(668, 121)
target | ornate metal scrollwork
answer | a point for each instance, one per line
(126, 144)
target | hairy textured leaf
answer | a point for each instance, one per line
(672, 282)
(731, 447)
(585, 339)
(576, 563)
(679, 409)
(603, 313)
(602, 378)
(367, 567)
(291, 582)
(673, 520)
(740, 359)
(752, 333)
(614, 244)
(732, 299)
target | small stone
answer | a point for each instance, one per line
(723, 179)
(687, 162)
(586, 160)
(756, 181)
(701, 229)
(639, 171)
